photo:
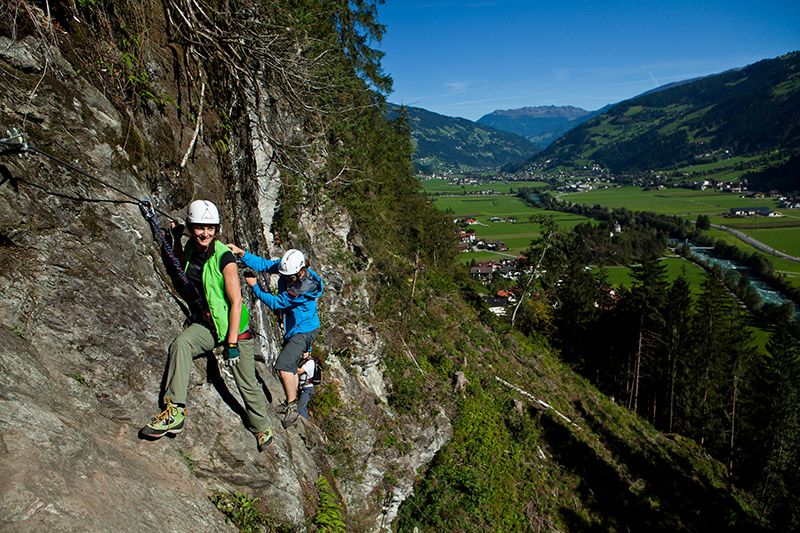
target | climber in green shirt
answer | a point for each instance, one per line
(218, 317)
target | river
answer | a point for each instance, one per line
(767, 293)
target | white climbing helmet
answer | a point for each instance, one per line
(202, 212)
(291, 262)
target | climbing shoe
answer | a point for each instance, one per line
(281, 408)
(291, 416)
(170, 420)
(264, 439)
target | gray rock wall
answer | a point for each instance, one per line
(88, 313)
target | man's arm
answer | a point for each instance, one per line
(274, 302)
(259, 264)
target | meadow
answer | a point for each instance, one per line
(680, 202)
(781, 233)
(443, 186)
(790, 269)
(786, 240)
(620, 276)
(517, 236)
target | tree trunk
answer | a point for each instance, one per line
(633, 402)
(733, 431)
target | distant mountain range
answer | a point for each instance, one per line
(541, 125)
(450, 144)
(752, 111)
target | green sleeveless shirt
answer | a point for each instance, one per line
(214, 289)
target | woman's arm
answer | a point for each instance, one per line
(231, 275)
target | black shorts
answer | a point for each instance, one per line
(293, 349)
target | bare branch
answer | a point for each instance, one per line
(196, 129)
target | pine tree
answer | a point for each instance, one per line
(647, 299)
(577, 295)
(770, 452)
(719, 358)
(678, 322)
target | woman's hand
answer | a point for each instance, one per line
(238, 252)
(250, 279)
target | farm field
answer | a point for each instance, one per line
(688, 204)
(680, 202)
(442, 186)
(786, 240)
(789, 220)
(517, 236)
(725, 170)
(620, 276)
(724, 164)
(790, 269)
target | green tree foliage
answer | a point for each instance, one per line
(769, 449)
(577, 294)
(723, 342)
(678, 342)
(646, 301)
(356, 22)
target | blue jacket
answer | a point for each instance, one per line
(297, 302)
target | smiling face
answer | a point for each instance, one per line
(203, 235)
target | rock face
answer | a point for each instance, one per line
(88, 313)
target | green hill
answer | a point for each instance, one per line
(752, 112)
(451, 144)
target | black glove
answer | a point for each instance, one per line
(231, 354)
(173, 235)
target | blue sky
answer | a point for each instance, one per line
(468, 58)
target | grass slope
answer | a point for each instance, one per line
(515, 464)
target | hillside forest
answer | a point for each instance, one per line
(687, 363)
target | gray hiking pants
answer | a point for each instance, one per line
(196, 340)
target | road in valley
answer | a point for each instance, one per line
(755, 244)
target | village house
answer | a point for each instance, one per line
(512, 220)
(498, 306)
(482, 271)
(494, 246)
(752, 211)
(466, 236)
(507, 294)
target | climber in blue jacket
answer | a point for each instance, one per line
(298, 290)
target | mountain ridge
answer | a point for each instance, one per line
(454, 144)
(539, 124)
(749, 111)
